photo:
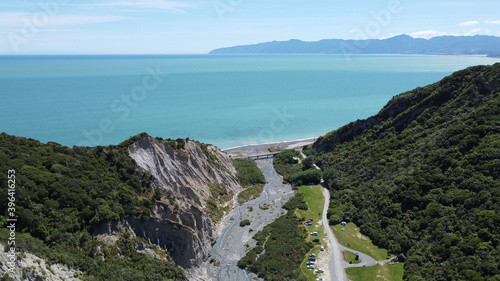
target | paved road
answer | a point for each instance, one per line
(365, 259)
(337, 271)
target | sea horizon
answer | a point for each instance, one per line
(225, 100)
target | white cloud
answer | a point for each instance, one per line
(469, 23)
(16, 19)
(492, 21)
(472, 32)
(159, 5)
(427, 34)
(77, 20)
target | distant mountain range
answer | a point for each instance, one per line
(401, 44)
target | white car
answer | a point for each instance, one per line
(314, 233)
(322, 248)
(312, 255)
(319, 279)
(310, 266)
(319, 271)
(310, 263)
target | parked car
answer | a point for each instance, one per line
(322, 248)
(312, 255)
(312, 259)
(316, 240)
(309, 223)
(319, 279)
(319, 270)
(310, 263)
(314, 233)
(310, 267)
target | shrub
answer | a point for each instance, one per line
(244, 223)
(247, 172)
(312, 176)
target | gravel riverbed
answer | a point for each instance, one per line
(234, 241)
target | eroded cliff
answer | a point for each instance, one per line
(190, 177)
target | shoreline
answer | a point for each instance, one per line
(252, 149)
(312, 139)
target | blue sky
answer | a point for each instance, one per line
(186, 27)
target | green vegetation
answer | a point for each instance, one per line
(247, 172)
(281, 247)
(293, 171)
(244, 223)
(62, 193)
(392, 272)
(312, 176)
(273, 149)
(422, 176)
(99, 261)
(351, 258)
(352, 238)
(220, 194)
(286, 163)
(311, 276)
(250, 177)
(216, 204)
(250, 193)
(176, 144)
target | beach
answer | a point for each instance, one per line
(254, 149)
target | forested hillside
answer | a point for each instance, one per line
(422, 176)
(63, 193)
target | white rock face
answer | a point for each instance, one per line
(29, 267)
(181, 220)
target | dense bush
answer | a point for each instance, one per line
(422, 177)
(62, 193)
(287, 157)
(309, 162)
(312, 176)
(247, 172)
(287, 164)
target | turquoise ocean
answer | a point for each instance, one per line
(224, 100)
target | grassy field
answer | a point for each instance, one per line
(386, 272)
(313, 196)
(352, 238)
(350, 257)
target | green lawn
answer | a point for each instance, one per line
(352, 238)
(350, 257)
(386, 272)
(313, 196)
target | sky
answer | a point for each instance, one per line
(197, 27)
